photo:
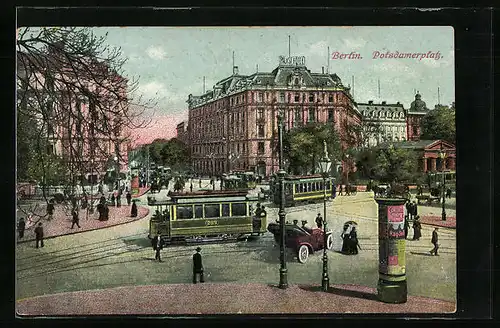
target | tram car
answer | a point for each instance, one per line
(205, 216)
(301, 189)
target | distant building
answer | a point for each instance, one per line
(182, 132)
(418, 109)
(234, 126)
(428, 153)
(391, 118)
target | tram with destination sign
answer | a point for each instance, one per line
(205, 216)
(301, 189)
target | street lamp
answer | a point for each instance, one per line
(325, 165)
(442, 155)
(90, 207)
(281, 214)
(117, 171)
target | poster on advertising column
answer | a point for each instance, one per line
(395, 240)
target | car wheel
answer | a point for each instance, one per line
(329, 241)
(303, 253)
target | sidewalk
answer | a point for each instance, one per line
(223, 298)
(61, 221)
(451, 221)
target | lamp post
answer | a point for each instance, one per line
(117, 171)
(347, 191)
(90, 206)
(283, 284)
(325, 165)
(442, 155)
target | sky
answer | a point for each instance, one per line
(171, 62)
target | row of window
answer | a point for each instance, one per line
(383, 114)
(211, 211)
(219, 149)
(310, 186)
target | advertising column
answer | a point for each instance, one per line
(392, 265)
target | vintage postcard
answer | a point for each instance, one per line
(235, 170)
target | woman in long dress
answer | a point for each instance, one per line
(417, 229)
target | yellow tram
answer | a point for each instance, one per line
(301, 189)
(206, 216)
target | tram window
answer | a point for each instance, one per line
(321, 185)
(239, 209)
(309, 186)
(212, 211)
(198, 211)
(225, 209)
(301, 187)
(184, 212)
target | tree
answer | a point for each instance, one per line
(396, 165)
(303, 146)
(439, 124)
(366, 162)
(71, 87)
(175, 154)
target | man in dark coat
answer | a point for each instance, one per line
(133, 212)
(158, 246)
(434, 241)
(258, 210)
(199, 183)
(415, 209)
(340, 190)
(112, 199)
(197, 266)
(106, 212)
(319, 221)
(408, 210)
(448, 193)
(50, 209)
(39, 235)
(353, 238)
(417, 229)
(21, 226)
(102, 200)
(191, 186)
(118, 199)
(129, 198)
(76, 219)
(407, 226)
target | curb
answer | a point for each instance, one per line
(76, 232)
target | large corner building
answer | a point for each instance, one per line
(234, 125)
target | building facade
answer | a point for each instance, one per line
(182, 132)
(234, 125)
(418, 109)
(389, 118)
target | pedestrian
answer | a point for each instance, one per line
(408, 210)
(319, 221)
(21, 226)
(263, 212)
(434, 241)
(50, 209)
(129, 197)
(75, 220)
(340, 190)
(102, 200)
(39, 235)
(197, 266)
(258, 210)
(334, 190)
(74, 203)
(199, 182)
(118, 200)
(414, 209)
(133, 211)
(354, 243)
(191, 186)
(407, 226)
(417, 228)
(106, 212)
(158, 246)
(345, 239)
(296, 222)
(448, 193)
(100, 210)
(112, 199)
(100, 188)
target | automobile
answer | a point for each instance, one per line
(303, 241)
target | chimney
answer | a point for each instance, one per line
(235, 70)
(370, 102)
(384, 103)
(322, 69)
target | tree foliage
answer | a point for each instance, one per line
(439, 124)
(173, 153)
(60, 71)
(303, 147)
(396, 165)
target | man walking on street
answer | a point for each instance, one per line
(129, 197)
(21, 226)
(319, 221)
(39, 235)
(340, 190)
(434, 241)
(76, 219)
(197, 266)
(157, 246)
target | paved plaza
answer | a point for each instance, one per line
(122, 256)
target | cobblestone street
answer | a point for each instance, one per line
(122, 256)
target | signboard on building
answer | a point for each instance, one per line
(293, 60)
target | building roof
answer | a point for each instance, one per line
(411, 144)
(285, 75)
